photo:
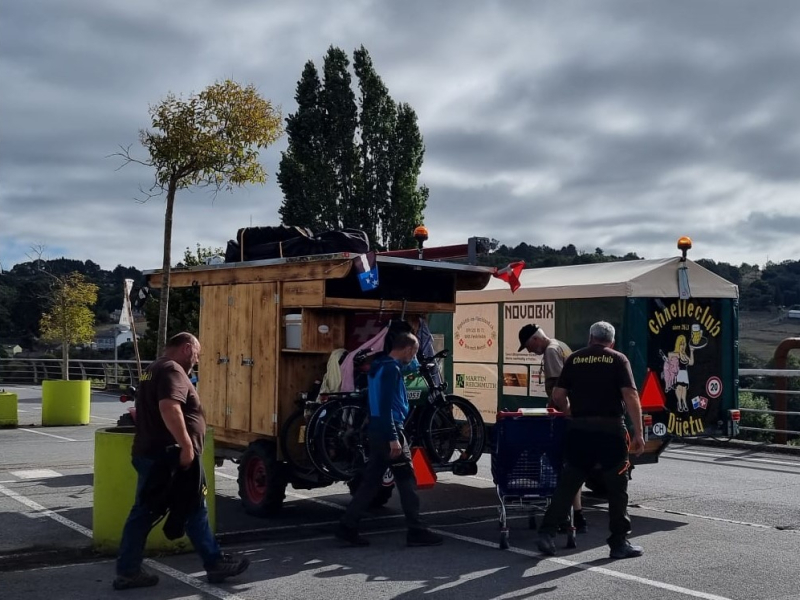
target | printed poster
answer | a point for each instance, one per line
(537, 389)
(685, 352)
(475, 333)
(478, 384)
(515, 316)
(515, 380)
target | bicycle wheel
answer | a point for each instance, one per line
(340, 439)
(311, 427)
(452, 430)
(293, 444)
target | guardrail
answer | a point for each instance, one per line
(778, 395)
(104, 374)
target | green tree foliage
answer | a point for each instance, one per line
(69, 319)
(756, 419)
(544, 256)
(352, 162)
(210, 140)
(184, 312)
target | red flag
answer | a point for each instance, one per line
(510, 274)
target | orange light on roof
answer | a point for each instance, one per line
(421, 233)
(685, 243)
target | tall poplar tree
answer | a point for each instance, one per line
(352, 161)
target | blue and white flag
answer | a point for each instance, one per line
(367, 270)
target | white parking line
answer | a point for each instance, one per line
(48, 434)
(174, 573)
(731, 458)
(599, 570)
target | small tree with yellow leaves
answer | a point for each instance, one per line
(70, 319)
(210, 140)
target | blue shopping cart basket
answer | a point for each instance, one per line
(527, 456)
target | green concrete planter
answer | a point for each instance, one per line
(115, 488)
(9, 416)
(65, 402)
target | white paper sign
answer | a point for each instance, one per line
(515, 316)
(478, 384)
(515, 380)
(475, 333)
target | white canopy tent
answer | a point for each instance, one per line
(656, 278)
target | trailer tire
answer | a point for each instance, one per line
(262, 479)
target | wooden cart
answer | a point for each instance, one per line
(250, 380)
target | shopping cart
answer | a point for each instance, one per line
(526, 461)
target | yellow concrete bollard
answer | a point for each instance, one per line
(9, 415)
(66, 402)
(115, 488)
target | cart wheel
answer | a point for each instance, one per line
(532, 522)
(504, 540)
(380, 499)
(262, 480)
(571, 543)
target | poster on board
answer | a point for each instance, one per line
(475, 333)
(478, 384)
(515, 380)
(515, 316)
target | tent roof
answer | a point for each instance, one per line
(656, 278)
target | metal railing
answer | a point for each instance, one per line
(778, 395)
(103, 374)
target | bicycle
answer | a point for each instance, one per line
(449, 428)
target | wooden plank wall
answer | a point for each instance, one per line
(240, 319)
(297, 374)
(266, 340)
(213, 337)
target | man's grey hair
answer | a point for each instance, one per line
(602, 332)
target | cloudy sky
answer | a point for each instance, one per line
(622, 125)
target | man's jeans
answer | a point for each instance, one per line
(140, 522)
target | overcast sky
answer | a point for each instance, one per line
(622, 125)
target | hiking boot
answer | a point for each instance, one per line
(423, 537)
(138, 580)
(581, 526)
(546, 544)
(226, 566)
(625, 550)
(350, 536)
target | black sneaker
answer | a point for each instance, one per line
(626, 550)
(226, 566)
(350, 536)
(423, 537)
(139, 580)
(581, 526)
(546, 544)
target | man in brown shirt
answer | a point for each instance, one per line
(597, 388)
(169, 413)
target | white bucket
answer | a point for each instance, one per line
(293, 326)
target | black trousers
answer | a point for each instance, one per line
(372, 480)
(585, 451)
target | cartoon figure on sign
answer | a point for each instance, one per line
(670, 372)
(684, 362)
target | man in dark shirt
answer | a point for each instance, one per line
(388, 446)
(168, 412)
(596, 387)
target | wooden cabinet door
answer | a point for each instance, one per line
(213, 336)
(240, 371)
(266, 340)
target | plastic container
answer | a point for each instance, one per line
(293, 326)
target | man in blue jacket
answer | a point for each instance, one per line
(388, 407)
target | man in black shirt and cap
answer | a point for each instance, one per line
(596, 387)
